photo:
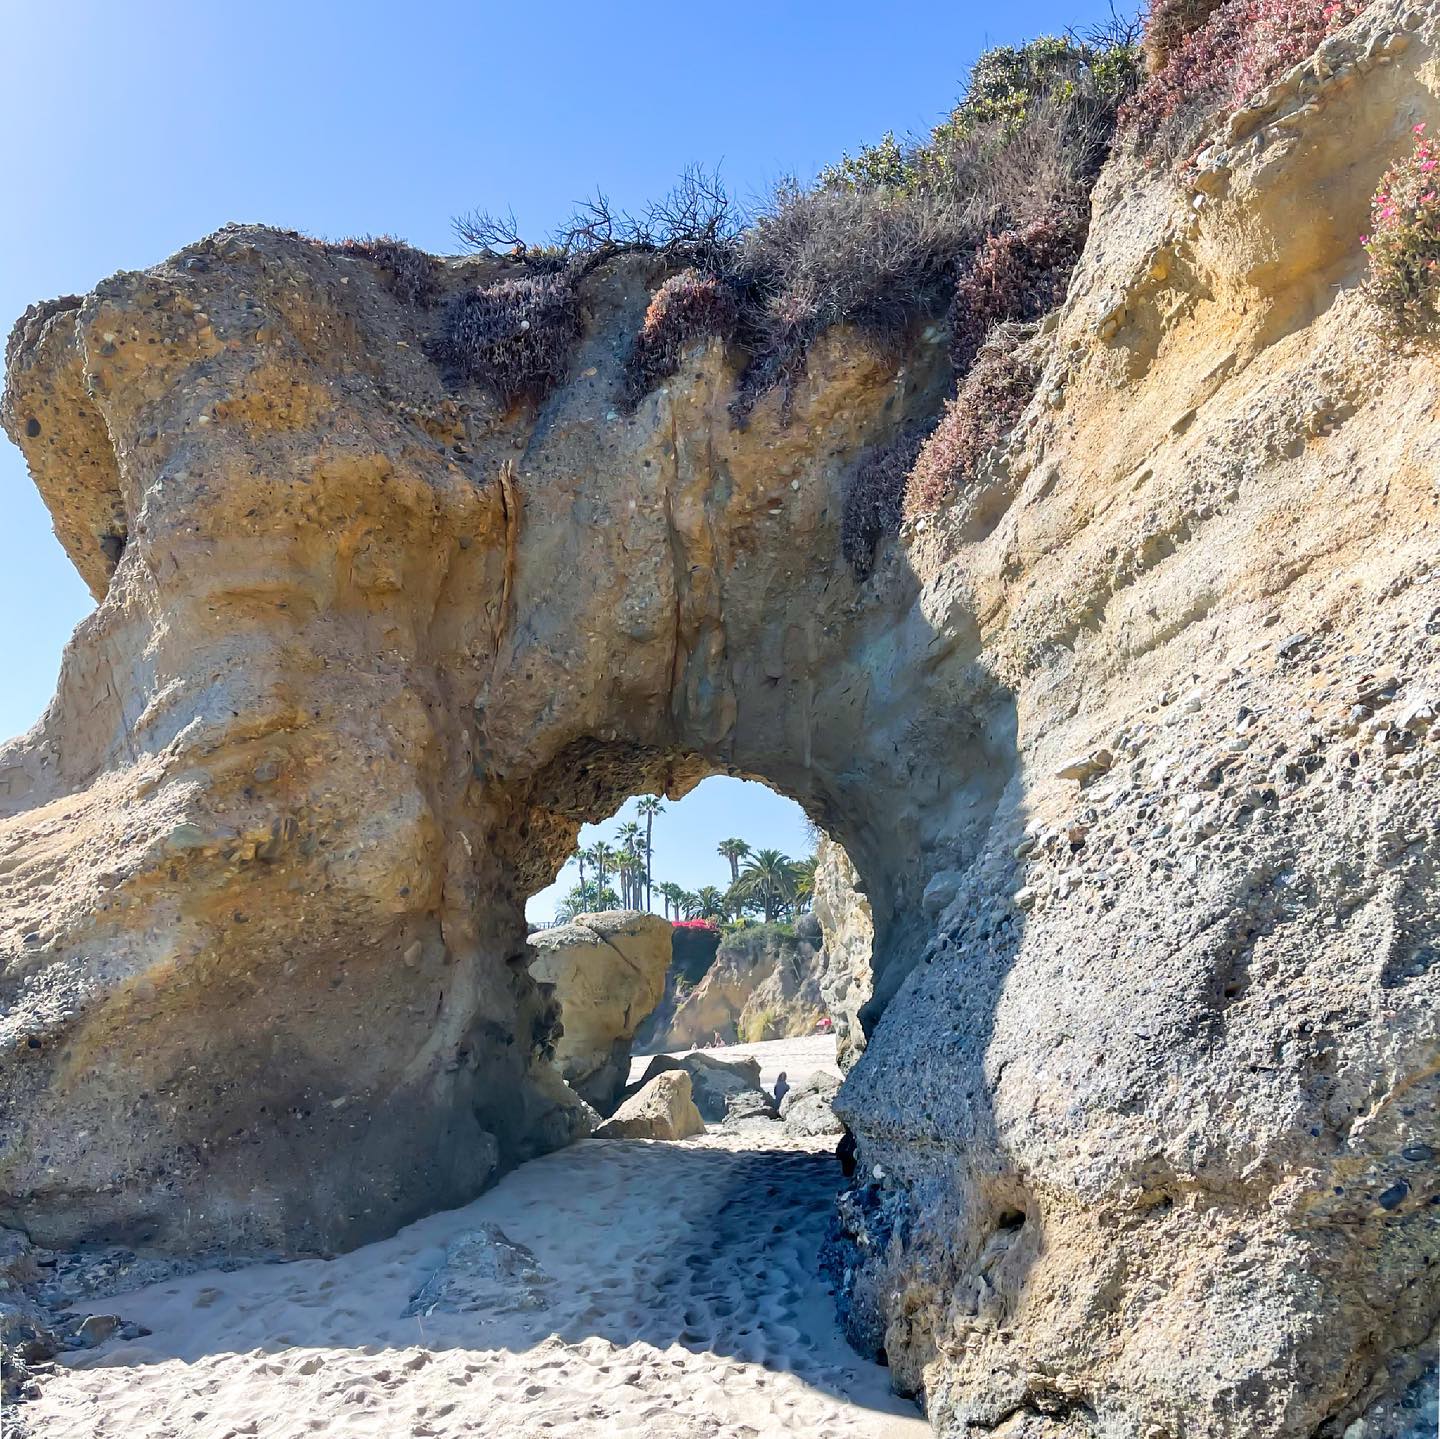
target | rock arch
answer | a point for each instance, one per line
(369, 658)
(1158, 696)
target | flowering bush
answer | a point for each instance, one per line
(708, 925)
(1404, 239)
(989, 401)
(1239, 49)
(514, 337)
(686, 308)
(1016, 275)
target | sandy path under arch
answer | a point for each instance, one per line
(679, 1298)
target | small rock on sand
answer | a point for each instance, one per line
(806, 1108)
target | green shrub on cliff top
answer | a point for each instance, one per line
(883, 236)
(879, 242)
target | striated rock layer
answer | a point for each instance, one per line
(1147, 1121)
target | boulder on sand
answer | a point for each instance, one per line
(746, 1105)
(716, 1082)
(608, 972)
(662, 1109)
(806, 1106)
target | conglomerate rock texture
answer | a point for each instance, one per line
(1147, 1122)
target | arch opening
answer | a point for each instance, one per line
(768, 933)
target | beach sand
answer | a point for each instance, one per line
(670, 1290)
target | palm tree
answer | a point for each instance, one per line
(709, 903)
(628, 840)
(631, 869)
(603, 858)
(734, 850)
(689, 903)
(769, 877)
(804, 873)
(672, 894)
(648, 806)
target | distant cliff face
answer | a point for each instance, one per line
(1147, 1114)
(764, 983)
(772, 981)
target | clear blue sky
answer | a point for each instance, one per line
(132, 128)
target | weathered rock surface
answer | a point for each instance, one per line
(846, 977)
(764, 983)
(662, 1109)
(484, 1272)
(693, 948)
(1147, 1135)
(746, 1106)
(47, 1305)
(1148, 1113)
(367, 654)
(608, 972)
(807, 1104)
(718, 1084)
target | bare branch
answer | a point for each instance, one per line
(597, 228)
(482, 231)
(698, 212)
(1115, 32)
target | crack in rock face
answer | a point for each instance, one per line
(1134, 750)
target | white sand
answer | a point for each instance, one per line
(798, 1058)
(682, 1300)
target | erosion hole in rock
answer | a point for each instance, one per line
(770, 934)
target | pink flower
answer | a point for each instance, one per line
(1420, 128)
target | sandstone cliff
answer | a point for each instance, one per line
(1147, 1120)
(334, 717)
(764, 983)
(768, 983)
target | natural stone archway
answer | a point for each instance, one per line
(368, 659)
(1147, 1117)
